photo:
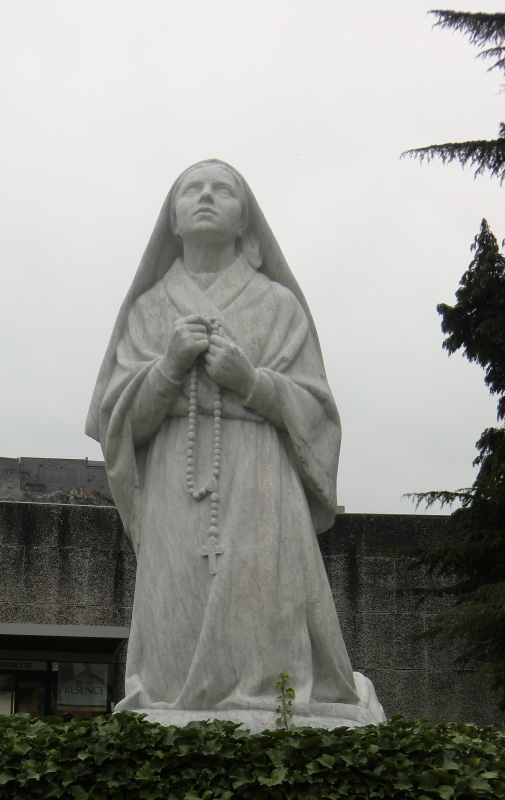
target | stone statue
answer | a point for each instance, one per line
(221, 441)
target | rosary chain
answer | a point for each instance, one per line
(211, 486)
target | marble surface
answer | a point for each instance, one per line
(221, 440)
(367, 711)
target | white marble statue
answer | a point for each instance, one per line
(221, 441)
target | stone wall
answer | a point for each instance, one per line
(64, 564)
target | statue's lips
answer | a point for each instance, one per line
(205, 211)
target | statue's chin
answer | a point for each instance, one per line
(208, 231)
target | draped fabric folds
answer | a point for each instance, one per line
(200, 641)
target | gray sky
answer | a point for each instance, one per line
(103, 103)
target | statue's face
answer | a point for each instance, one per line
(208, 206)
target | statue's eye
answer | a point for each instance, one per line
(191, 190)
(224, 190)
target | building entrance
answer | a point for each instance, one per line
(42, 688)
(61, 670)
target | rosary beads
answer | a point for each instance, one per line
(211, 486)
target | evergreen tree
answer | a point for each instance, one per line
(476, 324)
(483, 154)
(474, 571)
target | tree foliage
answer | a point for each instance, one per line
(474, 570)
(483, 154)
(480, 27)
(124, 757)
(476, 324)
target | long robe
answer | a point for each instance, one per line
(217, 643)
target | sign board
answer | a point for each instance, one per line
(19, 664)
(82, 686)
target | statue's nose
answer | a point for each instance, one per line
(206, 196)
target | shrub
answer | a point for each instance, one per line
(124, 756)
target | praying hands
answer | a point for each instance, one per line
(225, 361)
(229, 366)
(188, 339)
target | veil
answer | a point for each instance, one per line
(164, 247)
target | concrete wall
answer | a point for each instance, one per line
(24, 479)
(64, 564)
(414, 678)
(10, 485)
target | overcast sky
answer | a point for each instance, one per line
(104, 102)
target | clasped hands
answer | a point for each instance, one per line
(225, 361)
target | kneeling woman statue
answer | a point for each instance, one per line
(221, 441)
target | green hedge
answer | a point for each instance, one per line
(124, 756)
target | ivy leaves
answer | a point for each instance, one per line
(287, 695)
(124, 756)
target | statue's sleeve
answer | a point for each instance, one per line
(137, 398)
(157, 391)
(292, 392)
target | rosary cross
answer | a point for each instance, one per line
(212, 549)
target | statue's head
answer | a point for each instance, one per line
(209, 203)
(210, 199)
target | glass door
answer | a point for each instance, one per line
(7, 694)
(25, 692)
(30, 694)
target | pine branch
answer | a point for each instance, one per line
(480, 554)
(482, 154)
(444, 497)
(480, 27)
(494, 52)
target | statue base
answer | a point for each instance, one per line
(323, 715)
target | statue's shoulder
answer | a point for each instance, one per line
(154, 296)
(281, 295)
